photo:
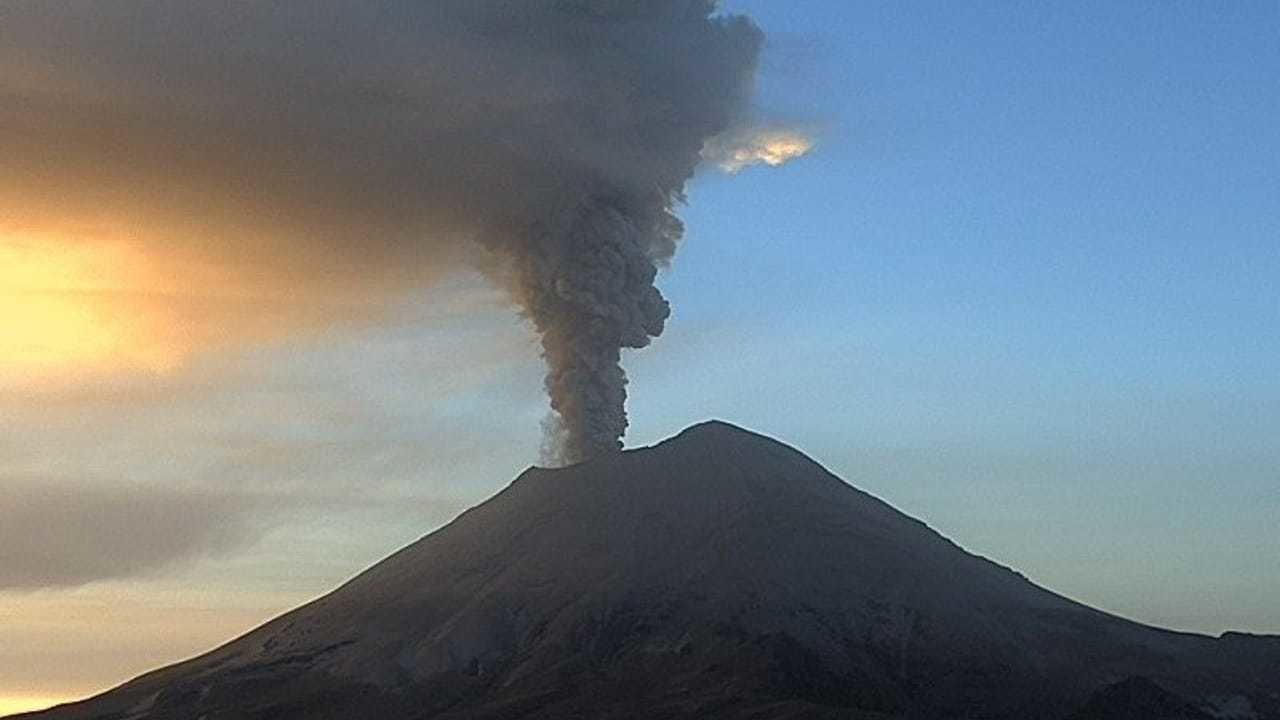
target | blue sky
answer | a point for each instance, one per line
(1024, 288)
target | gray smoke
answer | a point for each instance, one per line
(357, 147)
(587, 284)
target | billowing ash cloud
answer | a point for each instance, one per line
(345, 148)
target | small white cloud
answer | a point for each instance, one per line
(743, 147)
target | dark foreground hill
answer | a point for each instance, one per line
(719, 574)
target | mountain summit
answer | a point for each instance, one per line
(718, 574)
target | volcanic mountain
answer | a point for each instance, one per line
(719, 574)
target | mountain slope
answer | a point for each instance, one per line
(717, 574)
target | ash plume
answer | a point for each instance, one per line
(343, 148)
(587, 285)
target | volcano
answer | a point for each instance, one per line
(718, 574)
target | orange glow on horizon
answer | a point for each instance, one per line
(58, 315)
(14, 704)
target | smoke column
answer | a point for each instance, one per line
(584, 268)
(335, 147)
(588, 287)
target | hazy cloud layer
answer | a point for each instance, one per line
(52, 534)
(128, 476)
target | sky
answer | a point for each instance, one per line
(1022, 287)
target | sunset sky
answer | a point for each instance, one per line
(1018, 279)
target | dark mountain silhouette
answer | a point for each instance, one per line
(719, 574)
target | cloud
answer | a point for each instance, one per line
(392, 428)
(54, 534)
(744, 147)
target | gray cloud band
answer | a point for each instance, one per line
(117, 533)
(360, 147)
